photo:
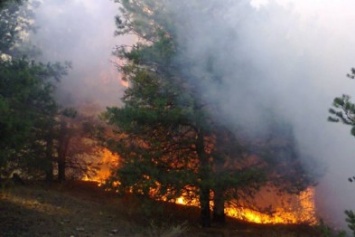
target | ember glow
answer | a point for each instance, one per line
(301, 51)
(290, 209)
(108, 161)
(297, 209)
(124, 83)
(267, 207)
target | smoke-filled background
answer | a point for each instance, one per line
(81, 32)
(286, 59)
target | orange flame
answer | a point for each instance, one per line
(299, 209)
(302, 211)
(124, 83)
(284, 209)
(108, 161)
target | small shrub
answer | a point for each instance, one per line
(326, 231)
(350, 220)
(167, 231)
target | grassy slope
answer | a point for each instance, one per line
(81, 209)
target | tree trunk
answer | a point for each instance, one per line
(63, 145)
(205, 186)
(205, 207)
(49, 175)
(61, 169)
(222, 153)
(219, 215)
(49, 158)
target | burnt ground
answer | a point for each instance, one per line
(81, 209)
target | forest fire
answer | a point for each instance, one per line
(284, 209)
(107, 161)
(267, 207)
(290, 209)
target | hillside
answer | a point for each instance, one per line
(82, 209)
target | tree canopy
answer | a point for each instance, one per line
(168, 137)
(34, 130)
(343, 109)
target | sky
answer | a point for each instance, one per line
(299, 52)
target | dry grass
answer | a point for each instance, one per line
(82, 210)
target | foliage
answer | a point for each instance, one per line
(343, 109)
(76, 147)
(325, 231)
(169, 142)
(155, 132)
(28, 110)
(16, 22)
(36, 133)
(350, 220)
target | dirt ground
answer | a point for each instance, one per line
(83, 210)
(57, 211)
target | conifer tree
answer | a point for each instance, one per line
(169, 142)
(343, 109)
(27, 104)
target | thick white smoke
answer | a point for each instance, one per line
(287, 55)
(81, 32)
(290, 57)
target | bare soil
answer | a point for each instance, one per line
(81, 209)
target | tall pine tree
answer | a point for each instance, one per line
(169, 143)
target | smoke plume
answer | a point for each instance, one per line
(81, 32)
(283, 60)
(278, 60)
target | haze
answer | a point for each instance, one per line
(81, 32)
(298, 54)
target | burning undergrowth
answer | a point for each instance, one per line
(175, 138)
(248, 64)
(267, 205)
(272, 207)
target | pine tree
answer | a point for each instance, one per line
(169, 142)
